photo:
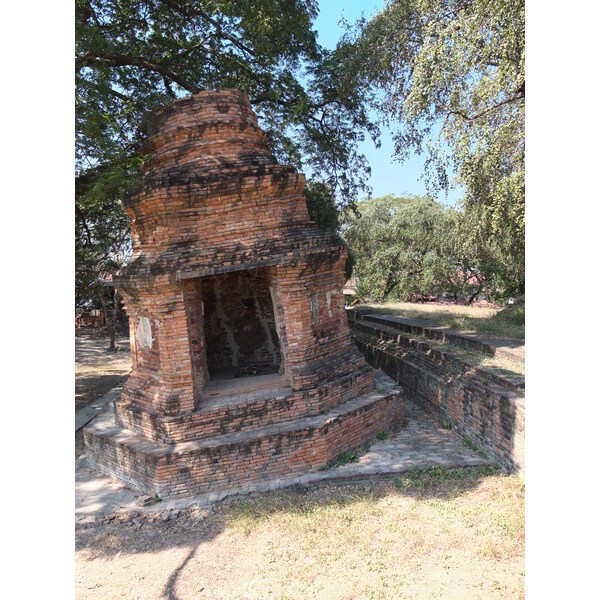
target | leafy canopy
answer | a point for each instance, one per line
(451, 78)
(409, 247)
(133, 56)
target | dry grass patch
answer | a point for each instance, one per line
(499, 364)
(508, 322)
(424, 535)
(440, 534)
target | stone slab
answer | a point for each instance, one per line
(87, 414)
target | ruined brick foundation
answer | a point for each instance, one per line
(489, 412)
(243, 364)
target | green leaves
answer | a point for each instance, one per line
(140, 55)
(452, 78)
(133, 56)
(410, 247)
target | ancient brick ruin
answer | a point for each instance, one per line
(478, 403)
(243, 364)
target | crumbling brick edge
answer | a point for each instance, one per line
(489, 417)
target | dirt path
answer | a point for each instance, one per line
(97, 371)
(443, 535)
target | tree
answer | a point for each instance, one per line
(406, 248)
(102, 243)
(321, 205)
(135, 55)
(392, 241)
(451, 74)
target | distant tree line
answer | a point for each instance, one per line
(450, 76)
(413, 247)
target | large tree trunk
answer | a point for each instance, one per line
(111, 318)
(473, 296)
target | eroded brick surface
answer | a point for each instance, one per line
(230, 279)
(490, 415)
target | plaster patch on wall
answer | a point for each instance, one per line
(314, 308)
(144, 333)
(328, 296)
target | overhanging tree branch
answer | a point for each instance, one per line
(196, 12)
(518, 96)
(89, 58)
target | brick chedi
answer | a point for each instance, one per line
(244, 369)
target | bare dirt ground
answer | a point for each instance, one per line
(97, 371)
(444, 534)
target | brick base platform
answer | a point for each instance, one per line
(243, 366)
(243, 408)
(246, 456)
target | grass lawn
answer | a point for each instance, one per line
(439, 534)
(498, 364)
(508, 322)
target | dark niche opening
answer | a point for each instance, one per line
(240, 325)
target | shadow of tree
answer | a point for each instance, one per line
(169, 589)
(89, 387)
(244, 514)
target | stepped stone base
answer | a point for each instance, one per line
(233, 409)
(486, 409)
(241, 458)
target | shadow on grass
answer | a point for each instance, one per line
(503, 367)
(305, 511)
(436, 482)
(510, 319)
(515, 371)
(245, 515)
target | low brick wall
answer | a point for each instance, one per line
(491, 417)
(241, 415)
(503, 348)
(242, 458)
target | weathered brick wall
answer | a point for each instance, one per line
(240, 321)
(192, 293)
(161, 379)
(229, 271)
(227, 267)
(491, 417)
(211, 176)
(319, 348)
(239, 460)
(284, 405)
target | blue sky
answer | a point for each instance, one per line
(387, 176)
